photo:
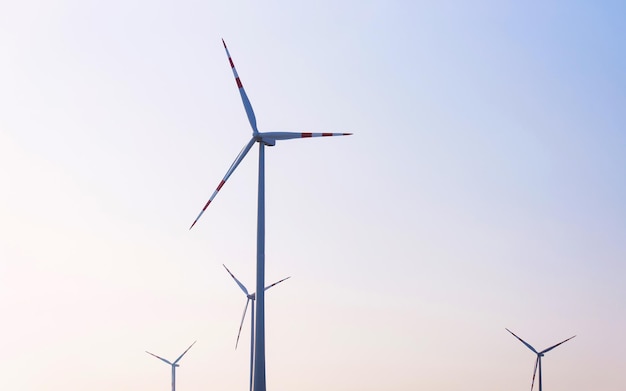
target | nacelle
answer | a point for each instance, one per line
(270, 142)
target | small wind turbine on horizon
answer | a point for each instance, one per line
(249, 297)
(263, 139)
(173, 364)
(539, 355)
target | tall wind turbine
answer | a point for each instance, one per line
(539, 355)
(173, 364)
(249, 297)
(269, 139)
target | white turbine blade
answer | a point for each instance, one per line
(552, 347)
(245, 310)
(524, 342)
(292, 135)
(232, 168)
(244, 97)
(277, 282)
(535, 372)
(243, 288)
(181, 356)
(160, 358)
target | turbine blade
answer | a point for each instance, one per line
(277, 282)
(245, 310)
(242, 92)
(181, 356)
(160, 358)
(552, 347)
(524, 342)
(243, 288)
(232, 168)
(292, 135)
(535, 372)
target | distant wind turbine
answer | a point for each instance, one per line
(269, 139)
(173, 364)
(250, 297)
(539, 355)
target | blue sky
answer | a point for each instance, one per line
(483, 188)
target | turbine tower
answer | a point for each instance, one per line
(269, 139)
(539, 355)
(173, 364)
(249, 297)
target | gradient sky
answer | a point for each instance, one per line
(484, 188)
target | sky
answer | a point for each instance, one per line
(483, 188)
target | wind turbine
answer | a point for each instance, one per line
(173, 364)
(539, 355)
(250, 297)
(269, 139)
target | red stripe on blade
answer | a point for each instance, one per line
(220, 185)
(239, 83)
(232, 65)
(326, 134)
(307, 135)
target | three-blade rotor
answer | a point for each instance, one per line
(175, 363)
(539, 355)
(267, 138)
(249, 297)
